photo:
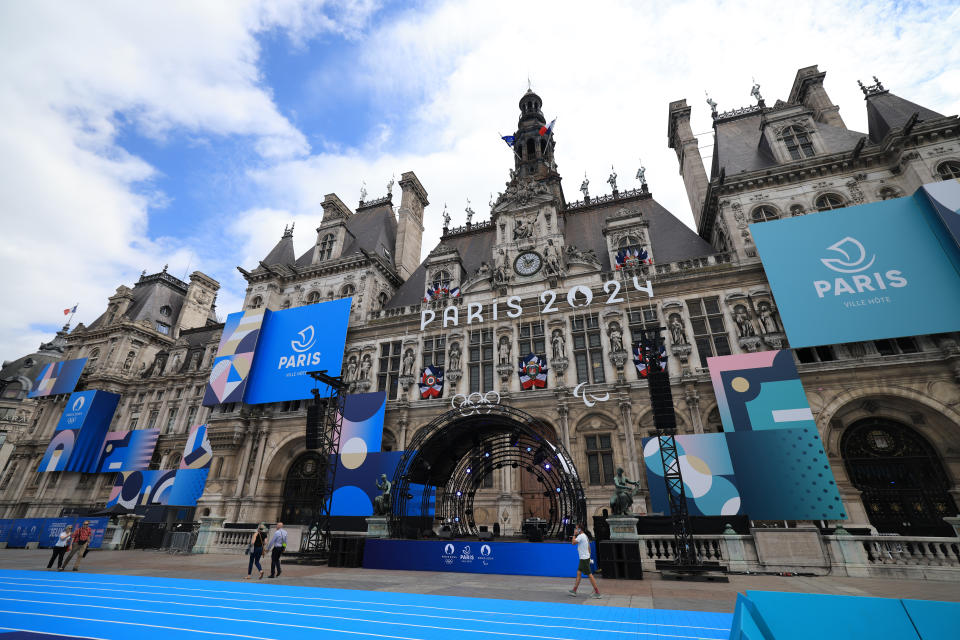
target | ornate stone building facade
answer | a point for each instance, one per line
(540, 276)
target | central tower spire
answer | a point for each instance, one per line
(533, 140)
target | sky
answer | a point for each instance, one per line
(189, 134)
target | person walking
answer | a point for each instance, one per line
(583, 551)
(278, 544)
(256, 550)
(61, 546)
(81, 541)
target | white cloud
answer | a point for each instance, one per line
(75, 206)
(447, 76)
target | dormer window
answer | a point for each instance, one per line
(256, 303)
(797, 142)
(163, 328)
(326, 247)
(949, 170)
(347, 290)
(829, 201)
(441, 280)
(165, 311)
(764, 213)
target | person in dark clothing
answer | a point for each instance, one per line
(278, 544)
(61, 547)
(256, 550)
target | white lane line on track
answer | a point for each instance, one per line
(303, 626)
(417, 606)
(135, 624)
(126, 597)
(59, 633)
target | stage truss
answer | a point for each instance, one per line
(459, 448)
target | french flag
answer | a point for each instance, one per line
(547, 130)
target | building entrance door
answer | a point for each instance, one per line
(300, 490)
(903, 483)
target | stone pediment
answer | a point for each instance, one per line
(522, 193)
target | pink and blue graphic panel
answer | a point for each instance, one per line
(133, 489)
(758, 391)
(57, 378)
(234, 359)
(197, 453)
(362, 423)
(59, 450)
(127, 450)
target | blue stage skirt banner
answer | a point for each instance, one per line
(866, 272)
(554, 559)
(46, 531)
(293, 342)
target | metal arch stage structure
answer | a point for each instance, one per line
(456, 450)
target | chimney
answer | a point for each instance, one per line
(406, 253)
(680, 139)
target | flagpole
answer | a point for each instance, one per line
(512, 147)
(72, 311)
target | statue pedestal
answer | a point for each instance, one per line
(623, 527)
(378, 527)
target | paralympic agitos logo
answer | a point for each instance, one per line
(300, 346)
(850, 258)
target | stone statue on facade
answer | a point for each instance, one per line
(446, 216)
(612, 180)
(500, 270)
(503, 351)
(390, 186)
(408, 361)
(351, 373)
(559, 346)
(755, 92)
(455, 356)
(381, 503)
(365, 366)
(768, 318)
(585, 186)
(676, 330)
(363, 191)
(621, 502)
(174, 368)
(642, 175)
(128, 363)
(470, 212)
(521, 230)
(551, 259)
(616, 338)
(744, 326)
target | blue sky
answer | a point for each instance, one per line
(190, 134)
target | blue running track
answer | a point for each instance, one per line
(124, 607)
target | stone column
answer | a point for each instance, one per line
(692, 398)
(402, 439)
(242, 462)
(564, 412)
(262, 434)
(626, 411)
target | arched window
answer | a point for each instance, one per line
(165, 311)
(903, 484)
(13, 391)
(531, 148)
(797, 142)
(764, 213)
(326, 247)
(93, 357)
(829, 201)
(949, 170)
(300, 489)
(796, 210)
(347, 290)
(441, 280)
(313, 297)
(256, 303)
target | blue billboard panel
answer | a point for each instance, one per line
(861, 273)
(293, 342)
(58, 377)
(513, 558)
(772, 474)
(80, 432)
(126, 450)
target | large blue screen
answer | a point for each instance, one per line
(878, 270)
(293, 342)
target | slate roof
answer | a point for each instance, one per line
(282, 253)
(886, 111)
(671, 239)
(28, 367)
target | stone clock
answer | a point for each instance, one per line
(527, 263)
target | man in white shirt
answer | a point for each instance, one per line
(278, 544)
(583, 551)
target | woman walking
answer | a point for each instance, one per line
(256, 550)
(61, 546)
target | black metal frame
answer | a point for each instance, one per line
(500, 436)
(685, 549)
(317, 538)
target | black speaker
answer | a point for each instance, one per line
(314, 425)
(661, 401)
(485, 535)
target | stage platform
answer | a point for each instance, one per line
(502, 556)
(118, 607)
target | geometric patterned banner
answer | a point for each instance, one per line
(127, 450)
(197, 453)
(231, 366)
(57, 378)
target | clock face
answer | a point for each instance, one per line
(528, 263)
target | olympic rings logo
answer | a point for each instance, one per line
(474, 403)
